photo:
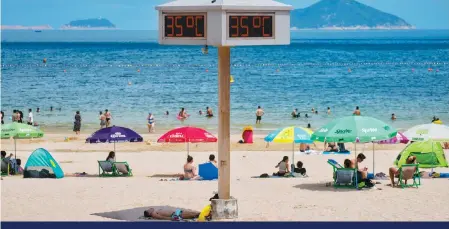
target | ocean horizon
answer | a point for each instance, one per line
(382, 72)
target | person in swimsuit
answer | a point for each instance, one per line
(167, 214)
(362, 173)
(283, 167)
(393, 117)
(357, 111)
(182, 114)
(331, 147)
(102, 120)
(77, 123)
(2, 115)
(190, 171)
(295, 113)
(150, 124)
(328, 110)
(209, 112)
(259, 114)
(108, 116)
(394, 172)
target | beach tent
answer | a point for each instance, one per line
(41, 164)
(208, 171)
(429, 154)
(247, 134)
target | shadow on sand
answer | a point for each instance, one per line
(322, 187)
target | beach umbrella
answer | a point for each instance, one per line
(399, 138)
(355, 129)
(17, 130)
(114, 134)
(291, 135)
(187, 135)
(434, 132)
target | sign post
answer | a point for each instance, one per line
(224, 24)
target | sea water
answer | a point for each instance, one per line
(130, 74)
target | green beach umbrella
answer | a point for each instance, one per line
(355, 129)
(17, 130)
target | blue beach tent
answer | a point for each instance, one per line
(41, 164)
(208, 171)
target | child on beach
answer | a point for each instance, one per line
(299, 168)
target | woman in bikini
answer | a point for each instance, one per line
(190, 171)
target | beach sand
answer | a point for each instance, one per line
(277, 199)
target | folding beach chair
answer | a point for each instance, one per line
(409, 172)
(343, 177)
(113, 169)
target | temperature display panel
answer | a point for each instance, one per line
(185, 25)
(251, 26)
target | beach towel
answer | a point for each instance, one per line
(336, 153)
(296, 175)
(208, 171)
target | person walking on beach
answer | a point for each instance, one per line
(357, 111)
(150, 123)
(102, 120)
(108, 116)
(77, 123)
(259, 114)
(2, 115)
(30, 117)
(20, 116)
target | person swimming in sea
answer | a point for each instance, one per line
(166, 113)
(295, 113)
(200, 112)
(357, 111)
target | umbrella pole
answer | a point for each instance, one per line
(356, 164)
(15, 149)
(293, 155)
(373, 159)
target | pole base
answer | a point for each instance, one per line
(224, 209)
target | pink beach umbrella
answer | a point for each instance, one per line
(399, 138)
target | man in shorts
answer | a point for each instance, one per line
(259, 114)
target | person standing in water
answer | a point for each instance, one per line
(77, 123)
(357, 111)
(393, 117)
(2, 115)
(295, 113)
(30, 117)
(108, 116)
(102, 120)
(150, 123)
(209, 112)
(328, 110)
(259, 114)
(182, 114)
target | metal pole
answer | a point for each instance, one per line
(293, 155)
(373, 159)
(15, 148)
(224, 104)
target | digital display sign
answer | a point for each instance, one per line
(184, 26)
(241, 26)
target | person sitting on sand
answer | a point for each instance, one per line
(167, 214)
(212, 160)
(190, 171)
(299, 168)
(283, 167)
(394, 172)
(111, 156)
(331, 147)
(361, 172)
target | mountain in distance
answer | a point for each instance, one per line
(344, 15)
(89, 24)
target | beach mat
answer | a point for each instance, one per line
(172, 175)
(298, 176)
(336, 153)
(135, 214)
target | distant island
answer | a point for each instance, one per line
(21, 27)
(87, 24)
(344, 15)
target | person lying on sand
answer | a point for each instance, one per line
(283, 167)
(167, 214)
(394, 172)
(190, 171)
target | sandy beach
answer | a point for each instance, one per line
(274, 199)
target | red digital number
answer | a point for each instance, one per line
(235, 26)
(263, 29)
(170, 26)
(190, 22)
(257, 22)
(178, 26)
(244, 26)
(196, 29)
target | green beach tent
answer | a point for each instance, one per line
(41, 164)
(429, 154)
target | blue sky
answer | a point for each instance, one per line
(140, 14)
